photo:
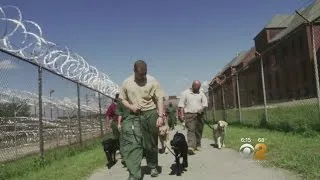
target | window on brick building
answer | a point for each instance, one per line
(301, 45)
(304, 67)
(274, 57)
(285, 54)
(277, 80)
(269, 81)
(293, 46)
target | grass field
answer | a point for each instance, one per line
(296, 148)
(67, 163)
(301, 116)
(294, 152)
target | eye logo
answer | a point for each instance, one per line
(246, 150)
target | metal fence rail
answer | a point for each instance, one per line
(27, 126)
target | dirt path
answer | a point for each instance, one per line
(209, 163)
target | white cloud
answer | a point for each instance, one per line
(7, 64)
(205, 86)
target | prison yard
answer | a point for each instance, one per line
(53, 105)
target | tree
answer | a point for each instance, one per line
(7, 109)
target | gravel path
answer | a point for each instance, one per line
(209, 163)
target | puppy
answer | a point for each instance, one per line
(164, 136)
(180, 148)
(110, 147)
(219, 132)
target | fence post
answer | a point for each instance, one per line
(223, 104)
(315, 61)
(15, 135)
(238, 94)
(79, 114)
(100, 114)
(263, 89)
(213, 107)
(41, 143)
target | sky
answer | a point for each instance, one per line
(181, 40)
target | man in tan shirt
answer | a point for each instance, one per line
(192, 106)
(143, 96)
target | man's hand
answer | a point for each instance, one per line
(159, 122)
(134, 109)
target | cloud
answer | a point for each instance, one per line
(205, 86)
(7, 64)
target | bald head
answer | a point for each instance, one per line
(196, 86)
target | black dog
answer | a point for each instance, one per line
(180, 148)
(110, 147)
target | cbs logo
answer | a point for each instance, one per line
(259, 150)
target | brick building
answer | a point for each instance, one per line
(285, 45)
(226, 95)
(249, 75)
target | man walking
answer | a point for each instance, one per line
(192, 106)
(143, 96)
(112, 118)
(171, 112)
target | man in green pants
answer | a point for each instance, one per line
(171, 112)
(143, 96)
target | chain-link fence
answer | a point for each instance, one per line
(42, 110)
(49, 95)
(276, 83)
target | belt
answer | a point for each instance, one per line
(142, 112)
(190, 113)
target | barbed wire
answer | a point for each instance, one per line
(25, 39)
(8, 95)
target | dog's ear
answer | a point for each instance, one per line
(225, 123)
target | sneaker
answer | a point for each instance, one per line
(191, 151)
(154, 172)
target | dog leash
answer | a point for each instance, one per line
(208, 124)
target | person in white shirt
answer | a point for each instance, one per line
(192, 105)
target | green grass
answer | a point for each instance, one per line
(291, 151)
(295, 118)
(68, 163)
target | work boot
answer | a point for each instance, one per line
(154, 172)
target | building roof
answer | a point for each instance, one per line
(250, 55)
(280, 21)
(235, 61)
(311, 13)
